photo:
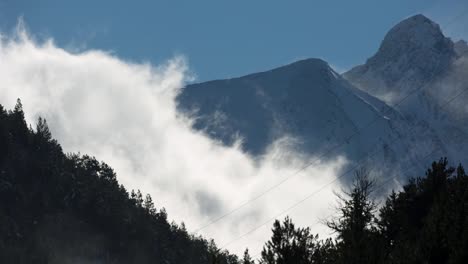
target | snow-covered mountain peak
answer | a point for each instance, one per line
(413, 52)
(415, 44)
(315, 67)
(305, 100)
(307, 63)
(415, 33)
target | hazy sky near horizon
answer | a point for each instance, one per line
(224, 39)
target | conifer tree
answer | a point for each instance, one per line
(289, 245)
(247, 259)
(355, 223)
(149, 205)
(42, 129)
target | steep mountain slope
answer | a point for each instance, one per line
(396, 104)
(423, 75)
(306, 101)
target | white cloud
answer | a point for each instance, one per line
(124, 114)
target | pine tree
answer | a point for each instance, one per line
(18, 110)
(355, 224)
(139, 198)
(42, 129)
(19, 125)
(149, 205)
(247, 259)
(426, 222)
(290, 245)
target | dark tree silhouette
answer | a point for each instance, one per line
(58, 208)
(247, 259)
(289, 245)
(355, 223)
(70, 208)
(427, 222)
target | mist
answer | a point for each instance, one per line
(124, 113)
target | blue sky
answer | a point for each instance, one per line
(223, 38)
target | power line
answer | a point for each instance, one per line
(217, 219)
(380, 186)
(321, 188)
(291, 207)
(376, 188)
(329, 151)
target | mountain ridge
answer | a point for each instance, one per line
(329, 114)
(279, 95)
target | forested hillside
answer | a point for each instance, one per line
(70, 208)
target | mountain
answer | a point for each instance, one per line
(410, 55)
(422, 74)
(370, 109)
(307, 101)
